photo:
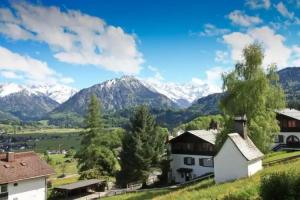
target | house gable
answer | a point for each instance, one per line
(188, 143)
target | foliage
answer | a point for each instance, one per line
(255, 93)
(280, 186)
(202, 122)
(96, 156)
(143, 147)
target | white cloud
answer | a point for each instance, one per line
(213, 80)
(282, 9)
(240, 18)
(221, 56)
(295, 60)
(257, 4)
(74, 37)
(212, 30)
(10, 75)
(157, 75)
(275, 49)
(13, 65)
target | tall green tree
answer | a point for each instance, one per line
(96, 156)
(143, 147)
(252, 91)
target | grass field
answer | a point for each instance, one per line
(57, 163)
(209, 190)
(50, 141)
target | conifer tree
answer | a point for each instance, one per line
(252, 91)
(95, 159)
(143, 148)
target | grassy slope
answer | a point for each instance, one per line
(209, 190)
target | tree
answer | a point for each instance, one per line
(143, 148)
(95, 157)
(253, 92)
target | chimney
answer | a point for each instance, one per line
(213, 125)
(240, 126)
(10, 156)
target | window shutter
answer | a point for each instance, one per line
(185, 160)
(201, 162)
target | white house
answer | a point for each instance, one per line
(289, 136)
(192, 155)
(23, 176)
(238, 157)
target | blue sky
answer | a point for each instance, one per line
(80, 43)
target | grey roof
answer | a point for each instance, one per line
(246, 147)
(209, 136)
(293, 113)
(79, 184)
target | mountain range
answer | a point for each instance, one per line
(172, 103)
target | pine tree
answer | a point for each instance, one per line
(143, 148)
(95, 159)
(253, 92)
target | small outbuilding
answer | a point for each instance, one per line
(238, 157)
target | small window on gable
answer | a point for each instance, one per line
(292, 123)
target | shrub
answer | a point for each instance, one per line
(280, 186)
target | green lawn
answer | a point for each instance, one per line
(57, 162)
(280, 155)
(209, 190)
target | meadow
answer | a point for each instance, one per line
(247, 188)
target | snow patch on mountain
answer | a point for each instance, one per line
(57, 92)
(182, 94)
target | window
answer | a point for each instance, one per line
(206, 162)
(279, 139)
(3, 188)
(189, 161)
(292, 123)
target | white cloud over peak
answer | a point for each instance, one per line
(221, 56)
(16, 66)
(282, 9)
(296, 56)
(212, 30)
(74, 37)
(257, 4)
(240, 18)
(274, 48)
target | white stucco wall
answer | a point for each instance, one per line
(177, 161)
(254, 167)
(230, 164)
(31, 189)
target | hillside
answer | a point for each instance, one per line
(116, 95)
(27, 106)
(247, 188)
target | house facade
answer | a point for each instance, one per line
(23, 176)
(192, 155)
(289, 136)
(238, 157)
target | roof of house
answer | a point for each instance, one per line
(246, 147)
(206, 135)
(79, 184)
(293, 113)
(25, 165)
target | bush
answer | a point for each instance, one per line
(280, 186)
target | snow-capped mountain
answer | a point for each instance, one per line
(117, 94)
(59, 93)
(182, 94)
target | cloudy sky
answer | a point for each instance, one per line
(80, 43)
